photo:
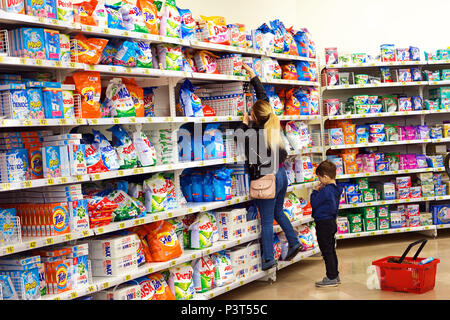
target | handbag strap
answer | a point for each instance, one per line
(275, 155)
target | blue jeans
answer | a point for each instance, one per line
(270, 209)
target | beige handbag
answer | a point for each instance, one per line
(264, 187)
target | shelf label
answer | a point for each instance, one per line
(32, 245)
(120, 173)
(57, 298)
(172, 263)
(121, 225)
(6, 186)
(132, 120)
(68, 237)
(91, 289)
(85, 233)
(155, 218)
(94, 121)
(397, 230)
(63, 179)
(150, 270)
(27, 184)
(170, 214)
(62, 121)
(9, 249)
(372, 233)
(386, 232)
(73, 295)
(79, 178)
(100, 230)
(49, 241)
(80, 121)
(116, 120)
(105, 285)
(97, 176)
(50, 181)
(127, 277)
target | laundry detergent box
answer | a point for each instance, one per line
(79, 218)
(77, 159)
(354, 218)
(363, 183)
(114, 267)
(14, 6)
(368, 195)
(64, 43)
(65, 10)
(113, 246)
(369, 212)
(53, 103)
(60, 218)
(51, 159)
(36, 103)
(387, 190)
(370, 224)
(37, 8)
(383, 223)
(15, 102)
(342, 225)
(356, 227)
(426, 219)
(52, 44)
(383, 211)
(441, 214)
(68, 104)
(32, 43)
(396, 219)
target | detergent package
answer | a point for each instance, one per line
(155, 190)
(133, 19)
(127, 207)
(204, 272)
(145, 150)
(127, 54)
(119, 99)
(144, 58)
(216, 30)
(223, 273)
(150, 15)
(65, 10)
(88, 85)
(162, 243)
(190, 102)
(187, 24)
(107, 152)
(162, 290)
(206, 62)
(88, 51)
(170, 56)
(201, 232)
(52, 45)
(114, 17)
(274, 100)
(305, 237)
(213, 142)
(170, 25)
(124, 147)
(181, 281)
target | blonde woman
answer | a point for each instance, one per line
(261, 140)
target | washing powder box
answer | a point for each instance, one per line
(77, 160)
(71, 136)
(232, 217)
(113, 246)
(60, 143)
(114, 267)
(122, 292)
(79, 215)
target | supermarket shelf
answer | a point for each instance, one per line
(300, 118)
(236, 284)
(22, 63)
(382, 232)
(218, 77)
(439, 83)
(380, 144)
(387, 173)
(281, 56)
(377, 85)
(374, 64)
(378, 115)
(442, 198)
(441, 140)
(72, 294)
(385, 202)
(299, 257)
(15, 18)
(224, 48)
(305, 151)
(42, 183)
(442, 226)
(439, 62)
(143, 72)
(295, 223)
(302, 186)
(41, 123)
(291, 82)
(39, 242)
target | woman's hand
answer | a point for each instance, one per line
(245, 118)
(249, 70)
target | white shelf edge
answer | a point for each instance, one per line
(383, 232)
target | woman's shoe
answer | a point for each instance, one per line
(292, 252)
(266, 265)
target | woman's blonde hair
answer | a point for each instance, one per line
(262, 110)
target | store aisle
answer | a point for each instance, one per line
(297, 281)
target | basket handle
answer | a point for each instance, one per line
(423, 241)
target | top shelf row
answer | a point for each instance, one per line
(385, 64)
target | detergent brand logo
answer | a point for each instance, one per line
(167, 239)
(30, 286)
(68, 100)
(187, 19)
(218, 30)
(61, 276)
(59, 219)
(88, 93)
(156, 284)
(185, 276)
(147, 290)
(36, 162)
(35, 105)
(149, 16)
(65, 4)
(13, 3)
(37, 3)
(206, 226)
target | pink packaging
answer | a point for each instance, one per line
(416, 192)
(403, 182)
(403, 193)
(414, 221)
(376, 128)
(401, 133)
(410, 133)
(342, 200)
(332, 77)
(403, 162)
(360, 162)
(331, 55)
(332, 106)
(412, 162)
(369, 165)
(412, 210)
(377, 137)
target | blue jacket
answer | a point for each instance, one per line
(325, 203)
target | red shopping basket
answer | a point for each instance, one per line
(395, 275)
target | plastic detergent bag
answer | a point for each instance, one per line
(305, 237)
(187, 24)
(94, 162)
(268, 37)
(127, 54)
(274, 100)
(150, 15)
(289, 71)
(206, 62)
(296, 205)
(145, 151)
(197, 187)
(170, 25)
(293, 136)
(220, 184)
(110, 52)
(215, 230)
(217, 30)
(88, 85)
(187, 221)
(133, 19)
(119, 99)
(163, 241)
(155, 190)
(128, 208)
(144, 57)
(90, 50)
(171, 200)
(181, 281)
(213, 142)
(208, 193)
(147, 287)
(136, 191)
(290, 43)
(149, 102)
(83, 12)
(162, 290)
(186, 186)
(177, 223)
(292, 106)
(223, 273)
(137, 95)
(170, 56)
(190, 102)
(203, 274)
(278, 38)
(302, 43)
(284, 244)
(288, 208)
(124, 147)
(114, 17)
(276, 247)
(201, 231)
(107, 152)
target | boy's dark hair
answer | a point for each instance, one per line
(326, 168)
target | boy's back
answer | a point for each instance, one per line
(325, 202)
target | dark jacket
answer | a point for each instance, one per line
(254, 139)
(325, 203)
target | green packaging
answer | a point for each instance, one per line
(389, 103)
(368, 195)
(445, 74)
(362, 78)
(382, 211)
(391, 132)
(362, 108)
(439, 93)
(354, 218)
(370, 224)
(363, 183)
(356, 227)
(369, 212)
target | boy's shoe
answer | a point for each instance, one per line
(266, 265)
(292, 252)
(338, 280)
(327, 282)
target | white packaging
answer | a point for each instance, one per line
(254, 265)
(253, 227)
(114, 267)
(231, 217)
(77, 159)
(113, 246)
(121, 292)
(238, 256)
(64, 41)
(233, 232)
(68, 104)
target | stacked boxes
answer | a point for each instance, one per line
(232, 224)
(20, 275)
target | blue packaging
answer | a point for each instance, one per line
(414, 53)
(302, 41)
(190, 102)
(51, 159)
(32, 43)
(7, 225)
(187, 24)
(354, 198)
(36, 103)
(303, 100)
(198, 148)
(29, 279)
(53, 103)
(441, 214)
(208, 193)
(416, 102)
(381, 166)
(362, 133)
(303, 71)
(221, 184)
(351, 188)
(186, 186)
(52, 44)
(7, 288)
(416, 74)
(127, 54)
(114, 17)
(52, 11)
(16, 165)
(197, 187)
(19, 105)
(213, 142)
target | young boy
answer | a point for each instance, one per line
(325, 204)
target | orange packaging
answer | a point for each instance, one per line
(88, 85)
(162, 241)
(350, 138)
(349, 128)
(349, 157)
(59, 271)
(59, 213)
(350, 150)
(282, 96)
(88, 51)
(137, 94)
(142, 233)
(217, 30)
(150, 14)
(350, 167)
(289, 72)
(292, 107)
(83, 12)
(162, 290)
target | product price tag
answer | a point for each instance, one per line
(172, 263)
(150, 270)
(26, 122)
(72, 65)
(58, 64)
(79, 178)
(94, 121)
(57, 298)
(105, 285)
(128, 70)
(85, 233)
(27, 184)
(372, 233)
(32, 245)
(132, 120)
(127, 277)
(91, 67)
(9, 249)
(73, 295)
(68, 237)
(136, 222)
(49, 241)
(6, 186)
(121, 225)
(63, 179)
(80, 121)
(97, 176)
(91, 289)
(397, 230)
(120, 173)
(116, 120)
(100, 230)
(408, 229)
(50, 181)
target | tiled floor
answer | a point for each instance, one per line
(296, 282)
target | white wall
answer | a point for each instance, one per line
(350, 25)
